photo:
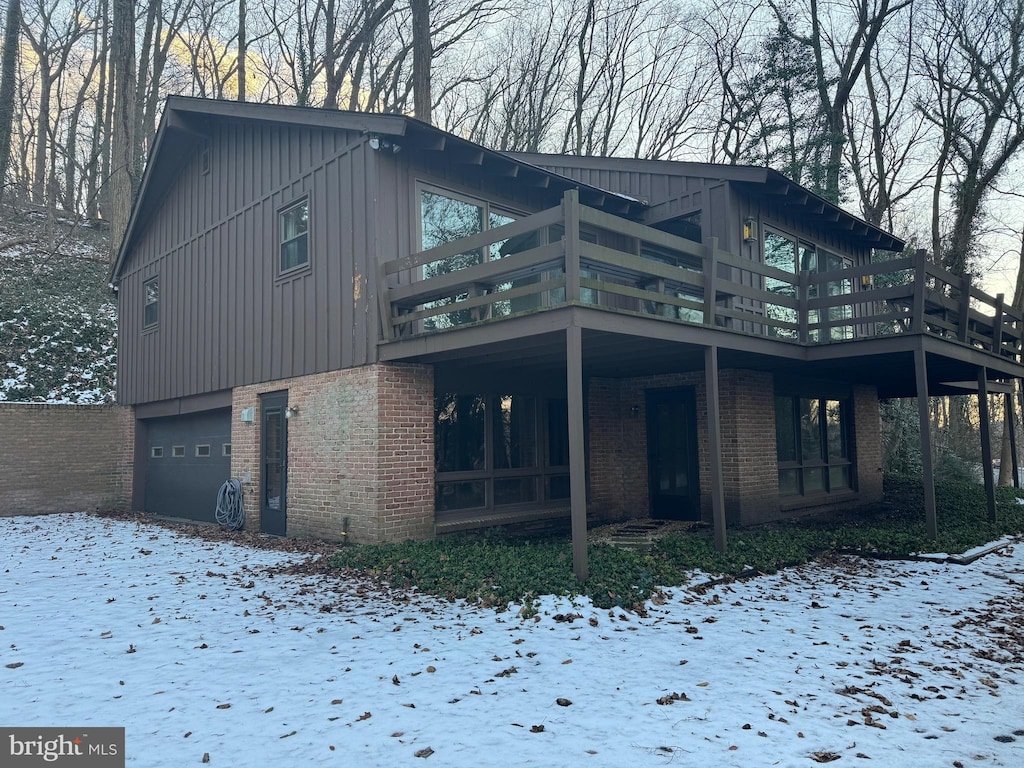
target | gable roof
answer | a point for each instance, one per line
(187, 121)
(758, 181)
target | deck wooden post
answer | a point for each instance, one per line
(577, 459)
(997, 326)
(964, 319)
(924, 421)
(715, 446)
(571, 218)
(1012, 418)
(986, 444)
(710, 280)
(803, 292)
(920, 288)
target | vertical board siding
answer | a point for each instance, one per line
(226, 318)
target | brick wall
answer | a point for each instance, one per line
(65, 458)
(361, 447)
(618, 444)
(867, 420)
(618, 447)
(749, 456)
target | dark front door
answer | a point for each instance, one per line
(274, 464)
(672, 453)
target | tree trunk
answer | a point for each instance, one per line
(42, 129)
(122, 171)
(242, 50)
(422, 58)
(7, 75)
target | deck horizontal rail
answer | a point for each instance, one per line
(573, 254)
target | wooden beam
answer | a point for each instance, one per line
(924, 423)
(715, 446)
(986, 444)
(577, 459)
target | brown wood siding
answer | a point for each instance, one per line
(226, 317)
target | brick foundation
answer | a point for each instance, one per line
(65, 458)
(618, 476)
(361, 447)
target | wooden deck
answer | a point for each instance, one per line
(564, 257)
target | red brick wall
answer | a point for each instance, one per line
(361, 446)
(749, 456)
(867, 422)
(618, 447)
(65, 458)
(618, 443)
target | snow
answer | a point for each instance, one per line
(200, 647)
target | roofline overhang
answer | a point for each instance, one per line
(772, 183)
(187, 114)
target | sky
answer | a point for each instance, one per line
(201, 647)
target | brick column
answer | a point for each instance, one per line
(360, 452)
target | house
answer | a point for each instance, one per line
(387, 331)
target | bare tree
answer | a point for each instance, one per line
(123, 181)
(973, 61)
(53, 30)
(886, 135)
(839, 60)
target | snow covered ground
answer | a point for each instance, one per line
(196, 647)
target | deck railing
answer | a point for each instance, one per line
(576, 255)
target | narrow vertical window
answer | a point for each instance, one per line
(151, 306)
(294, 231)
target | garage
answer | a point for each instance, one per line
(188, 458)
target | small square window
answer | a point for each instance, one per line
(178, 451)
(156, 452)
(225, 449)
(202, 451)
(294, 234)
(151, 307)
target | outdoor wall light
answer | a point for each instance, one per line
(749, 230)
(378, 144)
(291, 412)
(634, 411)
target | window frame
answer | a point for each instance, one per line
(799, 245)
(148, 323)
(306, 265)
(489, 208)
(541, 473)
(825, 462)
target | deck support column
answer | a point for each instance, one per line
(1011, 420)
(715, 446)
(924, 422)
(577, 457)
(986, 444)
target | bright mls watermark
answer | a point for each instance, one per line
(78, 747)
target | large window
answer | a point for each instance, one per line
(294, 233)
(445, 218)
(794, 256)
(494, 451)
(813, 437)
(151, 302)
